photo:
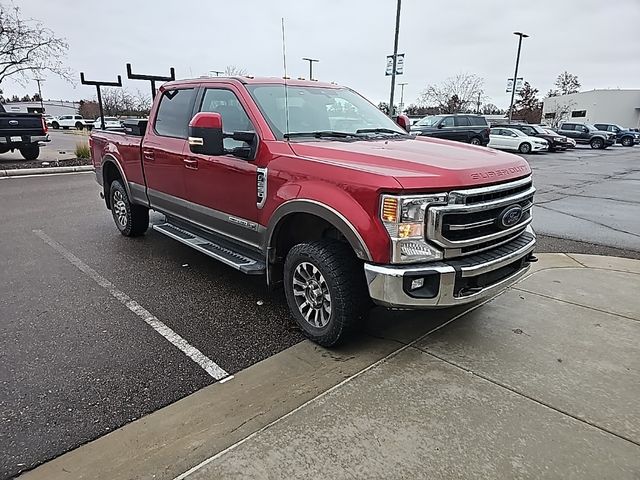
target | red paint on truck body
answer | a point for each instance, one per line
(346, 176)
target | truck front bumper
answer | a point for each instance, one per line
(452, 282)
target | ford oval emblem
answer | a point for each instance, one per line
(510, 216)
(13, 122)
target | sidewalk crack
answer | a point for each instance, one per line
(528, 397)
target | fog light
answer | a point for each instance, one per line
(417, 283)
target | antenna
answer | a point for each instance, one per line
(286, 92)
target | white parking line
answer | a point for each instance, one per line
(190, 351)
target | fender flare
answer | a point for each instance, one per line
(324, 211)
(108, 158)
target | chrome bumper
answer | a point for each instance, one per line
(390, 285)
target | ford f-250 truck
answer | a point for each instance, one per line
(310, 185)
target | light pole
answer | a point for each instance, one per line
(515, 75)
(40, 92)
(217, 72)
(395, 59)
(401, 106)
(310, 60)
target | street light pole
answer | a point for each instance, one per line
(395, 59)
(217, 72)
(40, 92)
(515, 75)
(401, 106)
(310, 60)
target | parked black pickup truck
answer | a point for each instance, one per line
(624, 136)
(585, 133)
(22, 131)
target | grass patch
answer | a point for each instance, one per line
(82, 151)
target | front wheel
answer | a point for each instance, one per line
(475, 141)
(596, 143)
(627, 142)
(55, 125)
(79, 126)
(30, 152)
(325, 289)
(524, 147)
(132, 220)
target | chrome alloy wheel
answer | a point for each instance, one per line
(119, 208)
(311, 294)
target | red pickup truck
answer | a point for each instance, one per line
(310, 185)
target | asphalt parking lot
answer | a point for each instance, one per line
(77, 363)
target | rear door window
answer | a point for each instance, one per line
(174, 113)
(447, 122)
(462, 121)
(479, 121)
(567, 126)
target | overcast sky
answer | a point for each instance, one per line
(595, 39)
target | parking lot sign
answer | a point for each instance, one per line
(519, 84)
(399, 64)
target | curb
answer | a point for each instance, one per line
(18, 172)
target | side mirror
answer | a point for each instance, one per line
(440, 125)
(205, 134)
(404, 122)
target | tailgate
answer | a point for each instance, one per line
(17, 124)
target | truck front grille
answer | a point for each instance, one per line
(472, 220)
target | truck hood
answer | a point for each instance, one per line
(419, 163)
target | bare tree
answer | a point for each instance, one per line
(455, 94)
(567, 83)
(528, 107)
(118, 102)
(556, 111)
(233, 70)
(26, 46)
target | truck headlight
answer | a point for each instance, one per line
(403, 217)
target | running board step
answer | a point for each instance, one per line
(239, 261)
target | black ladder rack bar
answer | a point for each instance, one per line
(99, 84)
(151, 78)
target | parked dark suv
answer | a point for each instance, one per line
(585, 133)
(624, 136)
(461, 128)
(555, 141)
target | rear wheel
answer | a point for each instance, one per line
(596, 143)
(132, 220)
(79, 126)
(325, 289)
(475, 141)
(30, 152)
(627, 142)
(524, 147)
(55, 125)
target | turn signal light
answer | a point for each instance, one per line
(390, 209)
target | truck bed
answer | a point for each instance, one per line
(126, 148)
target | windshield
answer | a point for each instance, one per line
(550, 132)
(517, 132)
(537, 129)
(427, 121)
(320, 110)
(590, 127)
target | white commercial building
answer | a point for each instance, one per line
(595, 106)
(51, 107)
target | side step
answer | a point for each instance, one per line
(239, 261)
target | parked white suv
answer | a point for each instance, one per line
(71, 121)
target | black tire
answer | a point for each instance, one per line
(132, 220)
(341, 287)
(627, 142)
(524, 147)
(55, 125)
(65, 128)
(4, 149)
(475, 141)
(596, 143)
(30, 152)
(79, 126)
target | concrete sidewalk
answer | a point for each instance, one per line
(540, 382)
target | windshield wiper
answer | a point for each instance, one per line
(379, 130)
(319, 134)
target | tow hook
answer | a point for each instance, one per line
(532, 258)
(102, 195)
